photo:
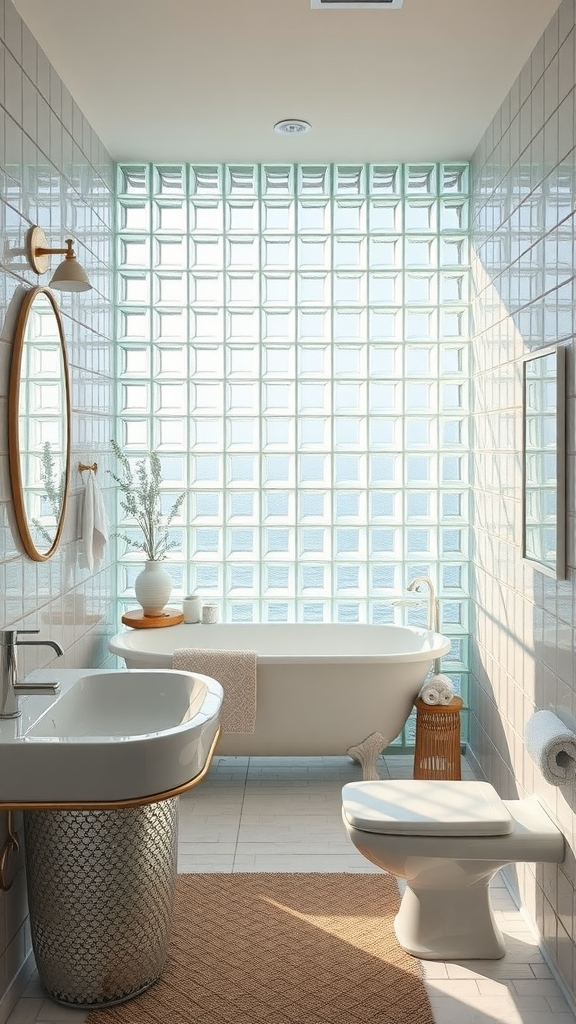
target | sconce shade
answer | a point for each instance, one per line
(70, 276)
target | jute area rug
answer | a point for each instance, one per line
(282, 949)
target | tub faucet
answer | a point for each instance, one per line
(433, 607)
(10, 688)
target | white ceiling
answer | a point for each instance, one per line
(206, 80)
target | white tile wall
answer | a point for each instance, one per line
(54, 172)
(524, 235)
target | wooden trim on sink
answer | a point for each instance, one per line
(112, 805)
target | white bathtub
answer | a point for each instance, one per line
(321, 687)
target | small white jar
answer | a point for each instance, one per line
(192, 607)
(209, 613)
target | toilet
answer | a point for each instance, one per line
(447, 839)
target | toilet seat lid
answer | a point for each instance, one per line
(407, 807)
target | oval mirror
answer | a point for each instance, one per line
(39, 424)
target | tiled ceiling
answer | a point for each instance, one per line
(206, 80)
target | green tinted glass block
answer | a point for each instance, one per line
(348, 287)
(170, 215)
(133, 215)
(420, 179)
(420, 215)
(277, 179)
(313, 180)
(349, 180)
(242, 216)
(241, 180)
(277, 216)
(453, 214)
(313, 215)
(169, 179)
(133, 251)
(206, 216)
(205, 179)
(385, 179)
(384, 252)
(385, 215)
(349, 216)
(133, 287)
(208, 253)
(133, 179)
(169, 251)
(454, 178)
(454, 251)
(133, 324)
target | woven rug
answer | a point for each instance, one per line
(282, 949)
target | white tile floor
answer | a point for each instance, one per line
(283, 814)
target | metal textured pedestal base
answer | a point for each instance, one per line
(101, 891)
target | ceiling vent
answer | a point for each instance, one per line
(351, 5)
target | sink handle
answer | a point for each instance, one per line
(31, 689)
(8, 637)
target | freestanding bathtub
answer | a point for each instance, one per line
(321, 688)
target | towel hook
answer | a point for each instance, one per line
(91, 466)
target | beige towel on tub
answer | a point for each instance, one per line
(236, 673)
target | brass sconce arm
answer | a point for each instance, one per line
(37, 250)
(70, 276)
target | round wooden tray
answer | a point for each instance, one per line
(137, 619)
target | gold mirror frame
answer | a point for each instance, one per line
(14, 435)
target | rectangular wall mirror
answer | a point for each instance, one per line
(543, 461)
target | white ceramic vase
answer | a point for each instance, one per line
(153, 587)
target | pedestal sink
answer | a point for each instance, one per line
(108, 737)
(97, 769)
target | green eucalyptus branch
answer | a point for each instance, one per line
(141, 500)
(54, 488)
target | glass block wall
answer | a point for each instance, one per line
(293, 341)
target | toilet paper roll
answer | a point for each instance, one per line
(552, 747)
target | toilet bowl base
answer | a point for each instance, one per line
(449, 924)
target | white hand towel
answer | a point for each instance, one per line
(94, 525)
(552, 746)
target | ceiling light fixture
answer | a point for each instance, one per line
(69, 276)
(292, 126)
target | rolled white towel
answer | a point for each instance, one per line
(446, 697)
(444, 686)
(429, 694)
(552, 747)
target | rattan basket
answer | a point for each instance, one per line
(437, 751)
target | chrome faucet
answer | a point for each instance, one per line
(10, 688)
(433, 606)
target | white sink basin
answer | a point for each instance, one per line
(108, 736)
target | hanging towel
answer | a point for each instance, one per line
(94, 525)
(552, 746)
(236, 673)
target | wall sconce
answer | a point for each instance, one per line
(70, 276)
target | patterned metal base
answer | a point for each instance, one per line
(101, 891)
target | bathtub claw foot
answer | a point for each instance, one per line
(365, 754)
